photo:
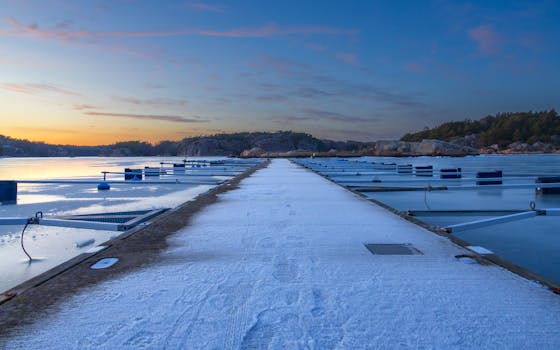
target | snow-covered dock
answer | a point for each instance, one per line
(281, 262)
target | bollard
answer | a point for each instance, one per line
(8, 192)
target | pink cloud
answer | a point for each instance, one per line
(274, 30)
(151, 101)
(201, 6)
(531, 40)
(414, 67)
(487, 39)
(279, 65)
(33, 30)
(167, 118)
(270, 30)
(349, 58)
(35, 88)
(82, 107)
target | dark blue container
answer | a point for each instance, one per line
(424, 170)
(404, 169)
(103, 186)
(179, 168)
(133, 174)
(452, 173)
(548, 180)
(8, 192)
(488, 175)
(151, 171)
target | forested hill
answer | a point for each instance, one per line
(212, 145)
(502, 129)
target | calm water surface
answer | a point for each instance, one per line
(54, 245)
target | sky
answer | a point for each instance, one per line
(97, 72)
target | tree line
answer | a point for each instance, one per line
(501, 129)
(219, 144)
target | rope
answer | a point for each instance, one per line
(32, 220)
(21, 241)
(426, 189)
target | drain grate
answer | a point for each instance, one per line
(392, 249)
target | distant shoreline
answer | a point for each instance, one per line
(302, 155)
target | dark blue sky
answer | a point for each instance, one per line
(101, 71)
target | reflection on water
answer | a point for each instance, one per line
(55, 244)
(52, 245)
(40, 198)
(57, 168)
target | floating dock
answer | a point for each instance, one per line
(290, 260)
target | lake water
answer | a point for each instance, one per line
(532, 243)
(54, 245)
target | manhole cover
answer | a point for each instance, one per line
(392, 249)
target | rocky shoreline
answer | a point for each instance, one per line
(278, 144)
(411, 149)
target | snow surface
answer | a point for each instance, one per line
(281, 263)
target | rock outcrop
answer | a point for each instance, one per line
(424, 148)
(537, 147)
(253, 153)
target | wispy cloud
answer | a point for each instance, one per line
(270, 30)
(333, 116)
(290, 119)
(345, 57)
(311, 92)
(150, 85)
(317, 115)
(83, 107)
(306, 84)
(344, 88)
(272, 98)
(414, 67)
(36, 88)
(531, 41)
(269, 86)
(151, 101)
(43, 130)
(345, 134)
(201, 6)
(281, 66)
(487, 39)
(167, 118)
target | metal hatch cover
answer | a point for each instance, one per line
(392, 249)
